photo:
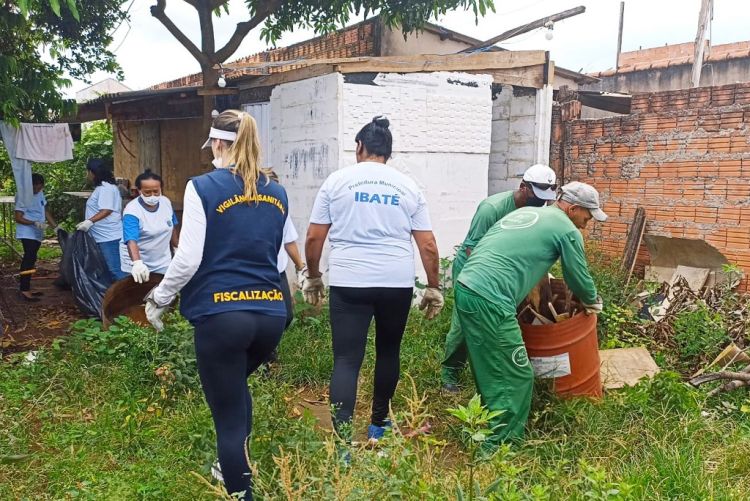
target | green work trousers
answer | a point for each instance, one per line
(498, 360)
(455, 345)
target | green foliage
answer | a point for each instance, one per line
(75, 40)
(699, 334)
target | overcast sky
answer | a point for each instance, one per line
(588, 42)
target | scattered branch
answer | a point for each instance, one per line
(715, 376)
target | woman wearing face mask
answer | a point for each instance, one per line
(148, 230)
(230, 290)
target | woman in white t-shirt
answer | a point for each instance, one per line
(149, 230)
(103, 214)
(31, 221)
(370, 212)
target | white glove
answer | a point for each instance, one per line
(40, 225)
(595, 308)
(301, 277)
(154, 311)
(139, 272)
(313, 289)
(85, 225)
(58, 228)
(432, 302)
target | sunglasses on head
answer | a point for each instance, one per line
(543, 186)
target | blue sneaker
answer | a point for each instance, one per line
(375, 433)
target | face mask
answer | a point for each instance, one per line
(535, 201)
(217, 162)
(152, 200)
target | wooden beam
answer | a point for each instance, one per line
(423, 62)
(229, 91)
(703, 17)
(531, 76)
(619, 35)
(288, 76)
(519, 30)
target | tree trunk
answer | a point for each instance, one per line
(210, 77)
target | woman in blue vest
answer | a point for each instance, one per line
(225, 268)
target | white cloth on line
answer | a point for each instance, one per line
(21, 168)
(46, 143)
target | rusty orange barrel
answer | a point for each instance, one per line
(567, 351)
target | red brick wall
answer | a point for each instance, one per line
(359, 40)
(683, 155)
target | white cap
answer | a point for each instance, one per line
(219, 134)
(584, 195)
(543, 175)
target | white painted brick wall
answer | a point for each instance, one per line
(442, 136)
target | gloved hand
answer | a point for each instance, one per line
(154, 311)
(58, 228)
(595, 308)
(85, 225)
(40, 225)
(432, 302)
(301, 277)
(140, 272)
(313, 289)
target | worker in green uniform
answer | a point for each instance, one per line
(537, 189)
(503, 268)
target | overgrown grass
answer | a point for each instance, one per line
(120, 415)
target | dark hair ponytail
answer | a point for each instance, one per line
(101, 168)
(376, 137)
(145, 176)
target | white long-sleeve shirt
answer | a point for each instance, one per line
(189, 254)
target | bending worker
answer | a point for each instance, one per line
(370, 212)
(536, 190)
(232, 228)
(103, 215)
(503, 268)
(148, 230)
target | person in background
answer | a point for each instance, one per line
(31, 222)
(288, 251)
(370, 212)
(538, 187)
(103, 215)
(501, 271)
(149, 230)
(225, 266)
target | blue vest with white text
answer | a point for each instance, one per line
(238, 270)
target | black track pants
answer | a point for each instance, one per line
(30, 250)
(352, 310)
(229, 347)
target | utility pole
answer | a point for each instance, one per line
(619, 35)
(703, 19)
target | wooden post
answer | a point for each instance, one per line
(619, 35)
(703, 18)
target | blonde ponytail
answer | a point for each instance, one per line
(244, 153)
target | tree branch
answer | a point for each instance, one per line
(215, 4)
(244, 28)
(734, 376)
(205, 15)
(158, 12)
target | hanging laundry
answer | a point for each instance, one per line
(46, 143)
(21, 168)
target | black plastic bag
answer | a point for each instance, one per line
(84, 268)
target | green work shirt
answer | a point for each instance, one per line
(516, 253)
(491, 210)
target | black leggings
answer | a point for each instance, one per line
(352, 310)
(30, 250)
(229, 347)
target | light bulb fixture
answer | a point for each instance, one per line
(221, 82)
(214, 113)
(549, 34)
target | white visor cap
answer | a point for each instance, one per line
(219, 134)
(541, 174)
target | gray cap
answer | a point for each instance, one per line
(584, 195)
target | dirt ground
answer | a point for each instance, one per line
(31, 325)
